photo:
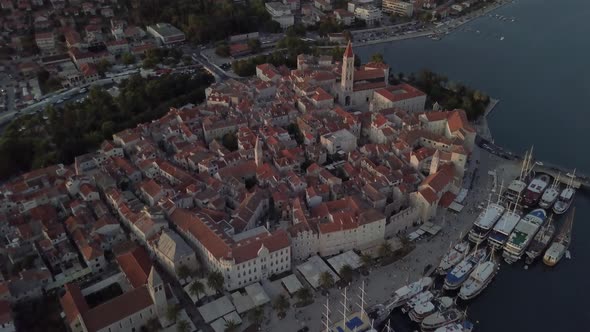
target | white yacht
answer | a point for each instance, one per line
(453, 257)
(479, 279)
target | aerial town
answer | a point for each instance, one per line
(300, 198)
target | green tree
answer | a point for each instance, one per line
(152, 325)
(183, 272)
(385, 249)
(326, 280)
(103, 66)
(215, 281)
(304, 295)
(281, 304)
(230, 141)
(377, 57)
(172, 312)
(254, 45)
(183, 326)
(366, 260)
(128, 58)
(256, 315)
(231, 326)
(197, 288)
(222, 50)
(346, 273)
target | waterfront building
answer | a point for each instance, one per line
(398, 7)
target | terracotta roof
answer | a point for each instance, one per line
(440, 179)
(136, 265)
(5, 313)
(400, 92)
(429, 195)
(248, 249)
(73, 303)
(191, 223)
(348, 52)
(458, 120)
(117, 309)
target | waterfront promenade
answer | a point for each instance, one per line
(383, 281)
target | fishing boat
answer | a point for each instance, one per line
(453, 257)
(485, 221)
(565, 197)
(523, 234)
(461, 272)
(550, 195)
(479, 279)
(423, 310)
(422, 297)
(535, 190)
(441, 318)
(465, 326)
(500, 233)
(540, 241)
(562, 241)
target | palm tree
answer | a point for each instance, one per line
(215, 281)
(346, 273)
(197, 288)
(231, 326)
(326, 280)
(183, 326)
(256, 315)
(304, 295)
(281, 305)
(367, 260)
(385, 249)
(173, 312)
(183, 272)
(152, 325)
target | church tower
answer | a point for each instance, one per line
(156, 288)
(347, 78)
(258, 154)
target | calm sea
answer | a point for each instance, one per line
(540, 71)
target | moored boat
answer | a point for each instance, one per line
(479, 279)
(523, 234)
(517, 187)
(461, 272)
(465, 326)
(453, 257)
(550, 195)
(441, 318)
(562, 241)
(423, 310)
(566, 197)
(422, 297)
(540, 241)
(535, 190)
(485, 221)
(403, 294)
(500, 233)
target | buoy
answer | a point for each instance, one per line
(526, 267)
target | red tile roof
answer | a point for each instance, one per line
(248, 249)
(136, 265)
(429, 195)
(348, 52)
(73, 303)
(5, 313)
(400, 92)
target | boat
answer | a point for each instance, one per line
(453, 257)
(562, 241)
(422, 297)
(485, 221)
(461, 272)
(535, 190)
(380, 312)
(540, 241)
(517, 187)
(479, 279)
(550, 195)
(441, 318)
(423, 310)
(499, 235)
(465, 326)
(523, 234)
(502, 38)
(565, 197)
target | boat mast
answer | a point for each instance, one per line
(524, 162)
(500, 191)
(327, 322)
(344, 308)
(362, 303)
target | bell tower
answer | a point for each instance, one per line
(347, 78)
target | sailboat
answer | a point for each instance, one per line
(565, 197)
(504, 227)
(516, 188)
(486, 220)
(479, 279)
(455, 255)
(562, 242)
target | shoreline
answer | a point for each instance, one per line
(449, 28)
